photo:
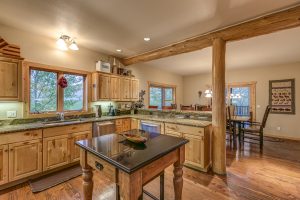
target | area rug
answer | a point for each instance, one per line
(48, 181)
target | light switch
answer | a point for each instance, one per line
(11, 114)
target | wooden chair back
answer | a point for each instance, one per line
(182, 107)
(153, 107)
(264, 121)
(167, 107)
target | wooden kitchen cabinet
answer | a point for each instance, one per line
(55, 152)
(10, 79)
(3, 164)
(115, 88)
(135, 123)
(126, 124)
(134, 89)
(197, 152)
(126, 89)
(194, 154)
(104, 86)
(74, 149)
(25, 159)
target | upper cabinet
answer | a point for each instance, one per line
(113, 87)
(10, 79)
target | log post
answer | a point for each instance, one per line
(218, 107)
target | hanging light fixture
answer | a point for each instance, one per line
(66, 41)
(73, 46)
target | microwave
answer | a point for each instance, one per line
(103, 66)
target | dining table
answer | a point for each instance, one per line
(131, 165)
(238, 121)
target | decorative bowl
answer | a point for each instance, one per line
(135, 138)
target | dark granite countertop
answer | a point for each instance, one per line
(128, 156)
(38, 125)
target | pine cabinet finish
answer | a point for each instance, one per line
(115, 88)
(10, 79)
(75, 151)
(135, 123)
(25, 159)
(198, 150)
(55, 153)
(104, 86)
(3, 164)
(126, 89)
(123, 125)
(134, 89)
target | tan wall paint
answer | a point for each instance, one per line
(146, 73)
(288, 123)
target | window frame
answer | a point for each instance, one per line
(162, 86)
(28, 66)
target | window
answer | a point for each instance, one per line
(161, 95)
(43, 91)
(46, 96)
(73, 94)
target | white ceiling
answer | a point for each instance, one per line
(268, 50)
(107, 25)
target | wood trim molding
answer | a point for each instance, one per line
(59, 70)
(283, 19)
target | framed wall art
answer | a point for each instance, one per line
(282, 96)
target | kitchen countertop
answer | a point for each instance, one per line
(39, 125)
(129, 156)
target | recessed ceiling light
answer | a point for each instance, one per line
(119, 50)
(147, 39)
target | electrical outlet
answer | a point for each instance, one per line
(11, 114)
(278, 128)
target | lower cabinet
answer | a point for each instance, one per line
(55, 153)
(74, 149)
(194, 151)
(123, 125)
(25, 159)
(3, 164)
(197, 151)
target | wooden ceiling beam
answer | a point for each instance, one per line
(285, 19)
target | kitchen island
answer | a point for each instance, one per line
(131, 165)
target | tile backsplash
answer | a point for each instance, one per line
(11, 106)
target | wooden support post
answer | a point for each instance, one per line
(218, 107)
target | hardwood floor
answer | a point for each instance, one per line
(275, 174)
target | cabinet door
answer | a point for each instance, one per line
(3, 164)
(55, 152)
(134, 89)
(126, 89)
(104, 86)
(119, 125)
(10, 72)
(115, 88)
(25, 159)
(194, 150)
(74, 149)
(126, 124)
(135, 124)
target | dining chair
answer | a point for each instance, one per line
(183, 107)
(167, 108)
(255, 130)
(229, 124)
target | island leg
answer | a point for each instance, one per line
(130, 185)
(87, 176)
(178, 180)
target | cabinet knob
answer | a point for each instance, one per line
(99, 166)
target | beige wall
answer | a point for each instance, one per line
(146, 73)
(288, 123)
(40, 49)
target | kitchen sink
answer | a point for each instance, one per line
(62, 121)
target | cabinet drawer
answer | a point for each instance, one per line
(102, 166)
(49, 132)
(20, 136)
(185, 129)
(173, 133)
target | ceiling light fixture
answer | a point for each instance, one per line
(119, 50)
(66, 41)
(147, 39)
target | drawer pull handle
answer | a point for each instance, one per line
(99, 166)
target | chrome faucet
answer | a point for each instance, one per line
(60, 116)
